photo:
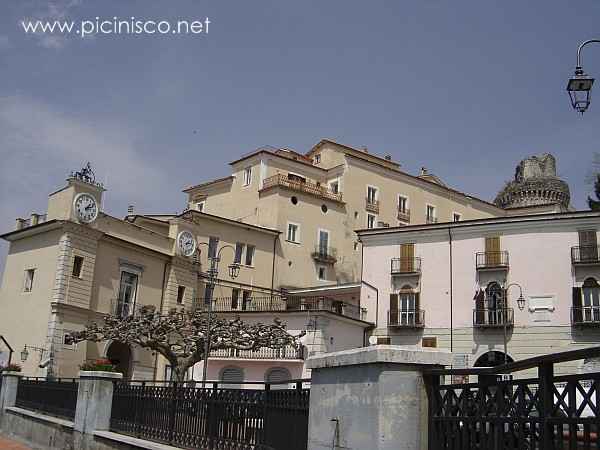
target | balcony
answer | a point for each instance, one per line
(585, 255)
(491, 260)
(372, 205)
(493, 317)
(301, 186)
(405, 266)
(327, 255)
(404, 215)
(289, 353)
(406, 318)
(276, 304)
(585, 315)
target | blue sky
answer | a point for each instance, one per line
(465, 88)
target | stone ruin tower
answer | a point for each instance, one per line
(535, 184)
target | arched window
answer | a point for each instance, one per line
(232, 375)
(277, 375)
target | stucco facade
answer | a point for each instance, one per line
(451, 292)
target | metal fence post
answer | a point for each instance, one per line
(546, 387)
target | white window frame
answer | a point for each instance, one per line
(27, 282)
(242, 253)
(317, 158)
(454, 213)
(405, 197)
(80, 276)
(132, 270)
(319, 231)
(374, 221)
(334, 181)
(251, 264)
(287, 233)
(434, 217)
(247, 176)
(376, 192)
(203, 203)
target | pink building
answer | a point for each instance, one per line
(456, 285)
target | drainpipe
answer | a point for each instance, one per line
(451, 293)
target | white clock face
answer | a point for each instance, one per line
(186, 243)
(86, 208)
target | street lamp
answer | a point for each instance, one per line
(213, 272)
(580, 85)
(521, 306)
(25, 351)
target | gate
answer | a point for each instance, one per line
(547, 412)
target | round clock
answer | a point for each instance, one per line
(186, 243)
(86, 207)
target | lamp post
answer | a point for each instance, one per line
(520, 304)
(580, 85)
(213, 272)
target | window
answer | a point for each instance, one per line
(235, 298)
(294, 200)
(293, 233)
(324, 209)
(247, 176)
(127, 292)
(296, 178)
(239, 252)
(246, 299)
(429, 342)
(384, 341)
(200, 206)
(456, 217)
(28, 285)
(213, 243)
(322, 273)
(277, 375)
(371, 220)
(430, 214)
(318, 158)
(77, 266)
(232, 375)
(180, 294)
(402, 204)
(588, 245)
(371, 194)
(323, 242)
(334, 187)
(250, 254)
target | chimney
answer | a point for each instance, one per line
(424, 171)
(130, 210)
(388, 157)
(20, 223)
(35, 219)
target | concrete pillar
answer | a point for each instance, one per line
(94, 401)
(8, 393)
(370, 398)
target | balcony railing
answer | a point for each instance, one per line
(401, 266)
(492, 260)
(291, 303)
(493, 317)
(585, 315)
(302, 186)
(407, 318)
(404, 215)
(288, 352)
(372, 205)
(585, 254)
(326, 255)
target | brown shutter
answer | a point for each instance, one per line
(407, 255)
(492, 251)
(577, 310)
(394, 315)
(587, 238)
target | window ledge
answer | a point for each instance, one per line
(293, 242)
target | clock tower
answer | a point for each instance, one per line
(80, 200)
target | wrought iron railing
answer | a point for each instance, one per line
(404, 215)
(547, 412)
(491, 260)
(301, 186)
(325, 254)
(54, 397)
(589, 254)
(372, 205)
(212, 418)
(493, 317)
(263, 353)
(407, 318)
(585, 315)
(325, 304)
(405, 266)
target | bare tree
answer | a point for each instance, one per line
(180, 335)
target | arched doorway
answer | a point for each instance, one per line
(119, 354)
(492, 359)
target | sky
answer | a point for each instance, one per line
(465, 88)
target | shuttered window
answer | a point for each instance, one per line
(407, 258)
(232, 375)
(492, 251)
(277, 375)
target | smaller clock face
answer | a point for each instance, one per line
(186, 243)
(86, 208)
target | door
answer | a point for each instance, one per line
(407, 258)
(588, 245)
(492, 251)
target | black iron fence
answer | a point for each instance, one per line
(54, 397)
(546, 413)
(213, 418)
(585, 315)
(589, 254)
